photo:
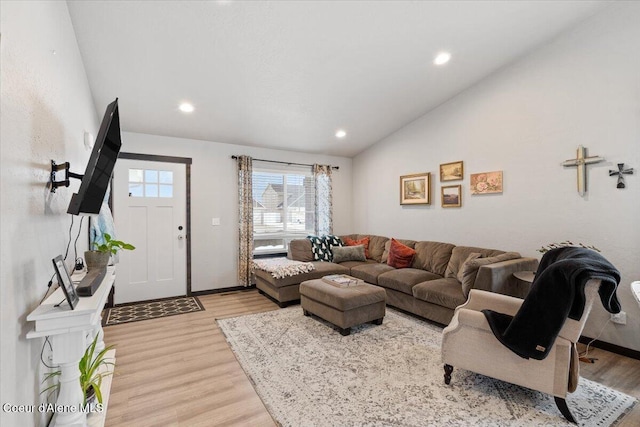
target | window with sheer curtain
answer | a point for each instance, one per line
(283, 206)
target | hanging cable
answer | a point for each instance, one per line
(75, 243)
(48, 288)
(69, 244)
(46, 341)
(585, 355)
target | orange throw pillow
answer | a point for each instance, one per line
(364, 242)
(400, 256)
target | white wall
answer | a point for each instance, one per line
(584, 88)
(214, 195)
(46, 107)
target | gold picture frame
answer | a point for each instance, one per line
(453, 171)
(486, 182)
(415, 189)
(451, 196)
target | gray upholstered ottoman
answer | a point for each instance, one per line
(343, 307)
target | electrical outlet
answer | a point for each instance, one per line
(619, 318)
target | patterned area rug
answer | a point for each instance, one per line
(151, 310)
(307, 374)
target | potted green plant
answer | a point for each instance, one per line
(99, 257)
(91, 373)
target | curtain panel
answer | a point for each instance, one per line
(324, 202)
(245, 219)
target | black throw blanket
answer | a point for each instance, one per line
(557, 293)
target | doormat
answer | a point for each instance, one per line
(151, 310)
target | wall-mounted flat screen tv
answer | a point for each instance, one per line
(97, 175)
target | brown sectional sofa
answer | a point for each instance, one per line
(438, 280)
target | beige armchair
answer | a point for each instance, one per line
(469, 343)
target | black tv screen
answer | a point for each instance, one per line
(97, 175)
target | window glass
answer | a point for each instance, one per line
(136, 190)
(151, 176)
(166, 190)
(151, 190)
(135, 175)
(150, 183)
(283, 207)
(166, 177)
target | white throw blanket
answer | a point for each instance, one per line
(282, 267)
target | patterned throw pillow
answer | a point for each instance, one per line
(320, 248)
(333, 241)
(400, 256)
(348, 253)
(364, 242)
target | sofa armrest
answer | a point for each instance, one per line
(498, 277)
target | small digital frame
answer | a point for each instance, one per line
(64, 281)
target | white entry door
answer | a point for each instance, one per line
(149, 209)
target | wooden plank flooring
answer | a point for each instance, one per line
(179, 370)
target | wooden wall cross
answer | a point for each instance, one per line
(581, 161)
(621, 172)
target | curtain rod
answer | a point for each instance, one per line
(285, 163)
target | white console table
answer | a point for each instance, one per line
(70, 332)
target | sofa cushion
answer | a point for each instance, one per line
(385, 255)
(369, 272)
(300, 250)
(444, 292)
(460, 254)
(432, 256)
(364, 242)
(469, 270)
(404, 279)
(465, 269)
(352, 264)
(376, 246)
(348, 253)
(400, 256)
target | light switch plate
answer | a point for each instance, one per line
(215, 221)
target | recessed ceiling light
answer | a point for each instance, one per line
(185, 107)
(442, 58)
(341, 133)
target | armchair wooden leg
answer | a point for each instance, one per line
(564, 409)
(448, 369)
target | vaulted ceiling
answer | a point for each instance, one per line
(289, 74)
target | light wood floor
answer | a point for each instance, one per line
(179, 370)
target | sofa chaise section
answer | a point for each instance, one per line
(287, 289)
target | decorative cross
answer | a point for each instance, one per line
(621, 172)
(581, 162)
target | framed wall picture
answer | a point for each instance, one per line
(486, 182)
(451, 196)
(451, 171)
(64, 281)
(415, 189)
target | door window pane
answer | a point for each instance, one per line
(135, 175)
(151, 190)
(150, 176)
(166, 177)
(150, 183)
(135, 190)
(166, 190)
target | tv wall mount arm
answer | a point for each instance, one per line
(67, 174)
